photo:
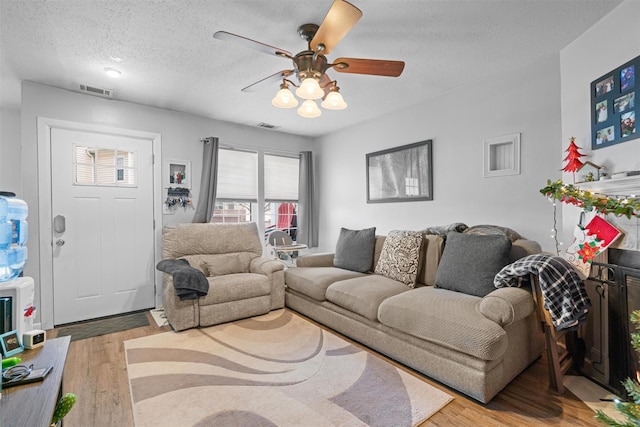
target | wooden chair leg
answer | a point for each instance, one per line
(559, 358)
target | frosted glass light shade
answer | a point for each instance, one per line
(334, 101)
(310, 89)
(284, 99)
(309, 109)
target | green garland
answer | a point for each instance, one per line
(570, 194)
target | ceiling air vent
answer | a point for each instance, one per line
(267, 126)
(91, 90)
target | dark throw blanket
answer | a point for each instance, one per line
(564, 294)
(189, 282)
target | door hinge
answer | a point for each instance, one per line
(153, 159)
(154, 224)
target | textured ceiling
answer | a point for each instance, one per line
(169, 58)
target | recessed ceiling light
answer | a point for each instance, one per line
(112, 73)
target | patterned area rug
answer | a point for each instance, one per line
(107, 325)
(273, 370)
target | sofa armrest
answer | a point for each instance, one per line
(507, 305)
(315, 260)
(266, 266)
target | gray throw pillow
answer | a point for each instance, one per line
(354, 250)
(470, 262)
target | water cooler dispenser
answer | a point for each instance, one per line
(16, 293)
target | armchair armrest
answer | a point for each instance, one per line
(507, 305)
(315, 260)
(266, 266)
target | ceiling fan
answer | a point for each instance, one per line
(310, 66)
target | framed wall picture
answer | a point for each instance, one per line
(613, 106)
(177, 173)
(400, 174)
(10, 344)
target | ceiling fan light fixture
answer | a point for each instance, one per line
(309, 109)
(284, 98)
(310, 89)
(334, 101)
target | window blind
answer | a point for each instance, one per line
(281, 178)
(237, 175)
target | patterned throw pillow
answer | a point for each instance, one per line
(400, 257)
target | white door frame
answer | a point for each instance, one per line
(45, 244)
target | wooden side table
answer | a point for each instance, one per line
(33, 404)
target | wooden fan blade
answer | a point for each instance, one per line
(342, 16)
(376, 67)
(324, 84)
(251, 44)
(267, 81)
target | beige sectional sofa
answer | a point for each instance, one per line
(474, 344)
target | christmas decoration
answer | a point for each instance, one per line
(616, 205)
(573, 158)
(590, 241)
(631, 410)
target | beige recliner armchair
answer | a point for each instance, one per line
(242, 283)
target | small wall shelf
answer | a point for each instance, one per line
(177, 173)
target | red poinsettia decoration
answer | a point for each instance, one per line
(588, 251)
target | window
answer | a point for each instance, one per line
(238, 199)
(237, 186)
(232, 212)
(281, 178)
(104, 166)
(120, 169)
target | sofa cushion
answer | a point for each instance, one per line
(219, 265)
(314, 281)
(235, 287)
(363, 295)
(354, 250)
(470, 262)
(217, 261)
(400, 257)
(450, 319)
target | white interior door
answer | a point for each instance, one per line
(102, 216)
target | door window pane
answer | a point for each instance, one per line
(104, 166)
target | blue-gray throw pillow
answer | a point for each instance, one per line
(470, 262)
(354, 250)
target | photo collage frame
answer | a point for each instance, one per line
(614, 107)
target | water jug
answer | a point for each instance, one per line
(13, 237)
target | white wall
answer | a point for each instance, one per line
(611, 42)
(180, 132)
(525, 100)
(10, 179)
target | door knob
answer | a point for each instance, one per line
(59, 242)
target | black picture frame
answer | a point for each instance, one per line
(614, 107)
(401, 174)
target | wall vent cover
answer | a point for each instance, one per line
(267, 126)
(92, 90)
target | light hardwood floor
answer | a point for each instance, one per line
(96, 372)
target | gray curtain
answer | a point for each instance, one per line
(209, 181)
(307, 203)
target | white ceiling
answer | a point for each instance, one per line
(169, 58)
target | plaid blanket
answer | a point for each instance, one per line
(564, 294)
